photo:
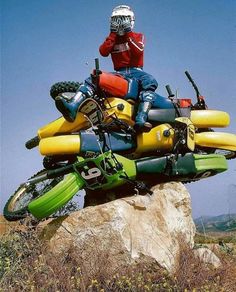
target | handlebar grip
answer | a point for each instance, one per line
(97, 64)
(189, 76)
(32, 143)
(170, 93)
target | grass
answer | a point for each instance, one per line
(27, 264)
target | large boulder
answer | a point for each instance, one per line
(129, 229)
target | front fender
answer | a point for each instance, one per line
(56, 198)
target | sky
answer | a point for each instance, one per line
(47, 41)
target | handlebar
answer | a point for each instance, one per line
(170, 93)
(200, 99)
(97, 64)
(193, 84)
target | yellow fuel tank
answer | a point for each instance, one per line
(159, 138)
(122, 109)
(60, 145)
(61, 126)
(209, 118)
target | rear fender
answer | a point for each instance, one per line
(210, 118)
(216, 140)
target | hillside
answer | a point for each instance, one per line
(221, 223)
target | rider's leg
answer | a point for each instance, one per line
(69, 108)
(147, 96)
(146, 101)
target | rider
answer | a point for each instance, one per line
(126, 48)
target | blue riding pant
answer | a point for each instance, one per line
(147, 83)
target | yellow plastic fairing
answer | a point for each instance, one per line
(121, 108)
(216, 140)
(209, 118)
(60, 145)
(61, 126)
(155, 140)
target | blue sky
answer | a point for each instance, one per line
(43, 42)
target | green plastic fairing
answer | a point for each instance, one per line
(197, 164)
(56, 198)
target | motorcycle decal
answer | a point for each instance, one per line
(92, 110)
(93, 176)
(91, 173)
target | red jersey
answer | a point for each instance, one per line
(126, 50)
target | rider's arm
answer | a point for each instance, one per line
(107, 47)
(136, 42)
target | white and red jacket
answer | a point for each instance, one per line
(126, 51)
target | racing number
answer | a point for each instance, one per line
(90, 109)
(91, 173)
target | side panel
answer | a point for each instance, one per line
(117, 142)
(155, 139)
(85, 142)
(188, 167)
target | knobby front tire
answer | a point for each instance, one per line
(16, 207)
(64, 87)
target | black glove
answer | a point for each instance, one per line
(126, 24)
(114, 26)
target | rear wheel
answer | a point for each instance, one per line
(16, 207)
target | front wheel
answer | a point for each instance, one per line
(16, 207)
(68, 88)
(42, 197)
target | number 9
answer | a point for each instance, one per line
(92, 172)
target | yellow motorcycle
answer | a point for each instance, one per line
(101, 150)
(107, 119)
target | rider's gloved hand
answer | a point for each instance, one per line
(114, 26)
(126, 24)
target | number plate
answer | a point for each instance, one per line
(92, 110)
(99, 172)
(92, 175)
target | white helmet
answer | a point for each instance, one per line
(123, 10)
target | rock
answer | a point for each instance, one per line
(207, 256)
(7, 227)
(127, 230)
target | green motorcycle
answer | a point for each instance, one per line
(49, 190)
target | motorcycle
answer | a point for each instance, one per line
(101, 150)
(112, 110)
